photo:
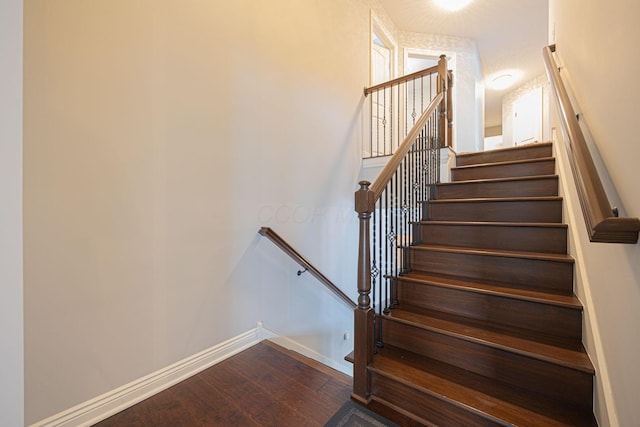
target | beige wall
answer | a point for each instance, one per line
(596, 44)
(11, 290)
(159, 136)
(493, 131)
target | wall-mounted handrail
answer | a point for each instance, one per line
(603, 223)
(295, 255)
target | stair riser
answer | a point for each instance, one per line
(546, 167)
(523, 153)
(522, 188)
(536, 317)
(554, 381)
(516, 238)
(518, 272)
(549, 211)
(423, 405)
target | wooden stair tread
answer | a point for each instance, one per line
(490, 180)
(532, 295)
(498, 199)
(568, 355)
(350, 357)
(505, 149)
(493, 223)
(504, 163)
(489, 398)
(543, 256)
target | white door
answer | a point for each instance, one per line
(381, 101)
(381, 62)
(527, 118)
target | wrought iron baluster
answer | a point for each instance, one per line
(386, 250)
(371, 126)
(391, 143)
(413, 114)
(414, 182)
(394, 219)
(398, 139)
(377, 123)
(379, 307)
(422, 169)
(384, 121)
(421, 94)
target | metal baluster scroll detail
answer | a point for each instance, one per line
(395, 107)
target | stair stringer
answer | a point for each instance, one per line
(578, 246)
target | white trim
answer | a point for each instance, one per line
(377, 26)
(290, 344)
(112, 402)
(375, 162)
(447, 161)
(576, 227)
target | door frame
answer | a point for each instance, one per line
(377, 26)
(451, 64)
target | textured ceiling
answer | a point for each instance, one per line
(510, 35)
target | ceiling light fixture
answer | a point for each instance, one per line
(502, 81)
(452, 5)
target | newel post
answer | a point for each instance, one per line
(445, 107)
(363, 316)
(449, 110)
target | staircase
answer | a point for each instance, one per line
(487, 330)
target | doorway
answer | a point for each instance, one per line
(527, 118)
(382, 103)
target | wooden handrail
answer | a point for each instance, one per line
(295, 255)
(399, 80)
(392, 165)
(603, 223)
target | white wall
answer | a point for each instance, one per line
(11, 292)
(159, 137)
(596, 42)
(469, 101)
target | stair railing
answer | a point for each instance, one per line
(307, 266)
(397, 104)
(386, 211)
(603, 223)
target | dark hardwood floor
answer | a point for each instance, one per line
(265, 385)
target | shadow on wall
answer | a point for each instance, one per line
(264, 286)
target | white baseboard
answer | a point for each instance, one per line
(288, 343)
(112, 402)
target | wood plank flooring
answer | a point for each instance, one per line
(265, 385)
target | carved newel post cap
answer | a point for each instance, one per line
(364, 301)
(364, 185)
